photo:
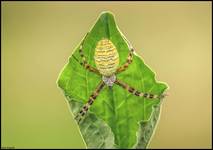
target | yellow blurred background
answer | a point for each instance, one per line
(173, 38)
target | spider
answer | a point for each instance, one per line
(107, 61)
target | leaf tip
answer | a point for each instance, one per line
(106, 13)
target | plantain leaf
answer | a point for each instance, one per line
(117, 119)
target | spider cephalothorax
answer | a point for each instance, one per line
(107, 60)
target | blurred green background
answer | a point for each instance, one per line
(173, 38)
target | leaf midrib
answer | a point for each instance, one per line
(114, 123)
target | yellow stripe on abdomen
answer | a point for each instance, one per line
(106, 57)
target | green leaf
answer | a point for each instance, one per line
(117, 119)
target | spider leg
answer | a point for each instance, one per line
(84, 61)
(137, 93)
(89, 103)
(129, 58)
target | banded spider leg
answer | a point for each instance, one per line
(92, 98)
(136, 92)
(84, 62)
(129, 58)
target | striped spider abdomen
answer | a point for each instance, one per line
(106, 57)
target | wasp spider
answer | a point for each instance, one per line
(107, 61)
